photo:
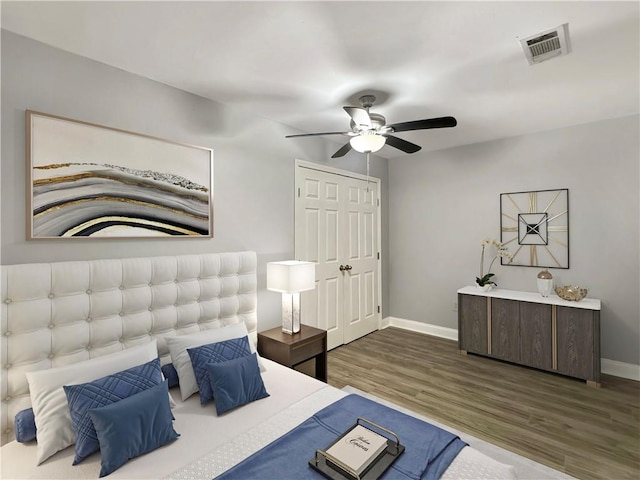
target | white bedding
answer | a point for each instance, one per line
(209, 444)
(200, 429)
(470, 464)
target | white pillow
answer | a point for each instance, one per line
(182, 362)
(49, 403)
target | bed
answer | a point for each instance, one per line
(61, 315)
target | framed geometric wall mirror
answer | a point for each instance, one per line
(534, 227)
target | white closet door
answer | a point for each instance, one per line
(361, 278)
(336, 225)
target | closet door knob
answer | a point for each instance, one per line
(342, 268)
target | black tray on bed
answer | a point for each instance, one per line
(339, 471)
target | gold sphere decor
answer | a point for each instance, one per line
(572, 293)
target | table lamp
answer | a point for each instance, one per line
(290, 277)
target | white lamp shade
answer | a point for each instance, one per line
(367, 142)
(291, 276)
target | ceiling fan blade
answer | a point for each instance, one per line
(359, 115)
(441, 122)
(315, 134)
(400, 144)
(346, 148)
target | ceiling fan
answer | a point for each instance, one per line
(369, 132)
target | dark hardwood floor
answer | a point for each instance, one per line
(586, 432)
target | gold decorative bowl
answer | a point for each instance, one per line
(571, 292)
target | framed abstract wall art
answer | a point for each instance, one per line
(534, 227)
(86, 181)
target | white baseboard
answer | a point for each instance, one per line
(608, 367)
(620, 369)
(420, 327)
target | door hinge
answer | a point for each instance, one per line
(378, 308)
(378, 255)
(298, 192)
(378, 202)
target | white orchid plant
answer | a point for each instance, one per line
(502, 252)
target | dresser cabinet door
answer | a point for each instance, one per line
(576, 328)
(536, 341)
(472, 323)
(505, 329)
(561, 339)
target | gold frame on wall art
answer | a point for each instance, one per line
(91, 181)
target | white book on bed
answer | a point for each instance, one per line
(358, 448)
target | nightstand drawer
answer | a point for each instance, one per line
(303, 351)
(291, 350)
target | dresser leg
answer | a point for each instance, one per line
(592, 384)
(462, 352)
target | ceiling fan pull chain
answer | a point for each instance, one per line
(367, 172)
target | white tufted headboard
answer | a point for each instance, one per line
(55, 314)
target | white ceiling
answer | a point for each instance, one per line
(298, 63)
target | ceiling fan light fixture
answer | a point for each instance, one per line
(367, 142)
(370, 132)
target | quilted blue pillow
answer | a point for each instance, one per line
(215, 353)
(171, 374)
(133, 426)
(101, 392)
(236, 382)
(25, 426)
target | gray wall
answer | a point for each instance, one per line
(253, 162)
(442, 204)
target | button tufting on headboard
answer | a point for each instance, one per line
(54, 314)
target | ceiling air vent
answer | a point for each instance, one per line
(546, 45)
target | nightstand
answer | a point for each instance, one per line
(292, 350)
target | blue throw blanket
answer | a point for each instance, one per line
(428, 449)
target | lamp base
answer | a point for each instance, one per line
(290, 313)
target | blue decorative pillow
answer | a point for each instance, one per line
(171, 374)
(215, 352)
(101, 392)
(133, 426)
(25, 426)
(236, 382)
